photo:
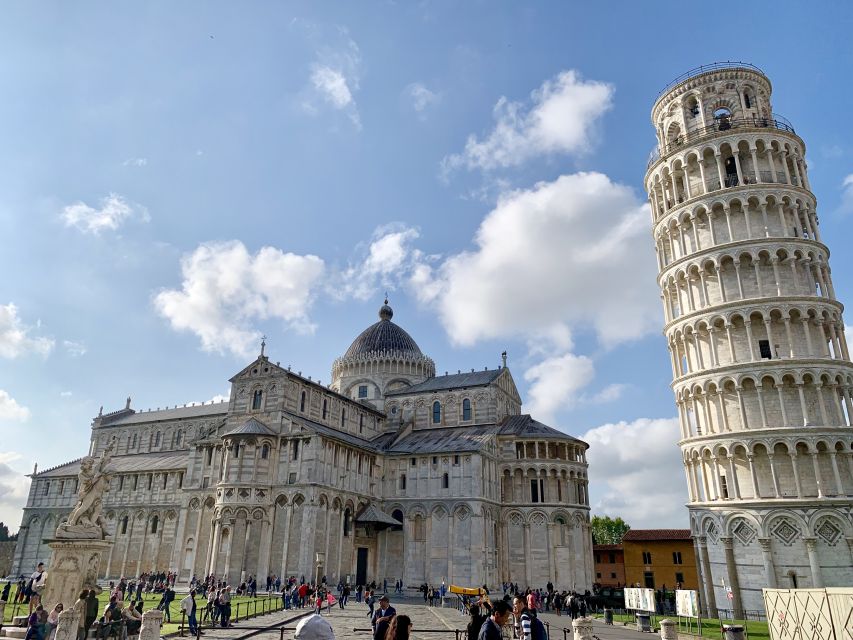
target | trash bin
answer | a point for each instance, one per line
(608, 616)
(733, 631)
(644, 622)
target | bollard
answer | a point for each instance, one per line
(152, 622)
(582, 628)
(668, 630)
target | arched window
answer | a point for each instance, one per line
(179, 437)
(265, 452)
(157, 439)
(466, 409)
(302, 403)
(420, 528)
(398, 516)
(325, 408)
(746, 100)
(561, 531)
(155, 521)
(257, 397)
(402, 482)
(436, 412)
(346, 523)
(124, 525)
(343, 417)
(445, 481)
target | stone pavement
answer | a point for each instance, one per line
(424, 618)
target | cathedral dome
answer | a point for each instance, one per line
(383, 337)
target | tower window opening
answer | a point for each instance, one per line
(724, 488)
(265, 452)
(256, 400)
(746, 101)
(124, 525)
(764, 350)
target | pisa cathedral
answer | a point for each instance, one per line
(390, 472)
(761, 368)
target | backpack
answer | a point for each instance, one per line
(537, 628)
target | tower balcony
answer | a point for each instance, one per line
(721, 125)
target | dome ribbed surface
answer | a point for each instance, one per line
(382, 337)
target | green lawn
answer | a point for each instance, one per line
(755, 630)
(241, 607)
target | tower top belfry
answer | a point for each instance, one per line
(762, 375)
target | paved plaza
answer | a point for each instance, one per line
(427, 621)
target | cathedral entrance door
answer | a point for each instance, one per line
(361, 566)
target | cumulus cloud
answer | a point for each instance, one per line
(226, 290)
(383, 263)
(14, 488)
(555, 383)
(333, 85)
(571, 252)
(635, 472)
(65, 394)
(135, 162)
(335, 74)
(560, 118)
(15, 338)
(421, 98)
(114, 211)
(846, 206)
(74, 349)
(10, 410)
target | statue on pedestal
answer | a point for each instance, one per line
(85, 521)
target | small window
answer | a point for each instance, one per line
(537, 490)
(456, 459)
(613, 575)
(135, 482)
(124, 525)
(764, 349)
(134, 440)
(679, 579)
(150, 481)
(165, 480)
(295, 449)
(179, 437)
(155, 521)
(210, 455)
(265, 452)
(120, 483)
(612, 558)
(394, 411)
(180, 480)
(598, 575)
(257, 397)
(724, 487)
(235, 450)
(649, 578)
(676, 557)
(402, 481)
(346, 523)
(361, 423)
(291, 479)
(436, 412)
(157, 439)
(414, 462)
(302, 403)
(747, 101)
(466, 409)
(362, 391)
(325, 408)
(647, 557)
(435, 459)
(343, 417)
(445, 481)
(61, 487)
(205, 482)
(46, 488)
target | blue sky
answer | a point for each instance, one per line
(177, 179)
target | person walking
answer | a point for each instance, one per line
(382, 618)
(188, 606)
(523, 618)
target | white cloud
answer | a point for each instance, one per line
(610, 393)
(555, 383)
(135, 162)
(74, 349)
(385, 261)
(333, 85)
(335, 74)
(421, 97)
(14, 489)
(15, 340)
(571, 252)
(65, 394)
(113, 212)
(846, 206)
(10, 410)
(560, 118)
(635, 471)
(226, 290)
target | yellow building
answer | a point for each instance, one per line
(658, 558)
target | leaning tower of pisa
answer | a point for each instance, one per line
(761, 370)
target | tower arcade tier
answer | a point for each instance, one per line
(761, 369)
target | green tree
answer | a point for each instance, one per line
(607, 530)
(4, 533)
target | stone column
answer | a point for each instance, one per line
(214, 546)
(244, 554)
(527, 577)
(288, 509)
(811, 548)
(152, 621)
(264, 555)
(231, 535)
(767, 557)
(707, 579)
(734, 582)
(178, 549)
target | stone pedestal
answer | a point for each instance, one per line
(69, 624)
(582, 628)
(151, 623)
(668, 630)
(74, 566)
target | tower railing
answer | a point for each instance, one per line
(720, 125)
(716, 66)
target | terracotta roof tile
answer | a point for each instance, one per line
(634, 535)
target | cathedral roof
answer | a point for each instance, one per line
(176, 413)
(374, 515)
(383, 337)
(452, 381)
(251, 427)
(523, 425)
(126, 464)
